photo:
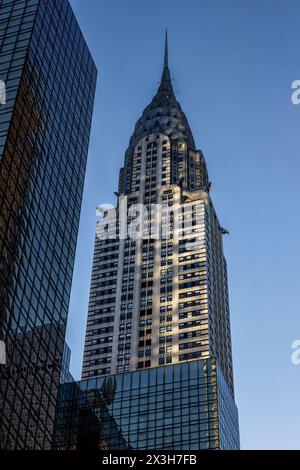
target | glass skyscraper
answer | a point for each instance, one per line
(184, 406)
(158, 327)
(50, 80)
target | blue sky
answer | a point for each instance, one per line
(233, 63)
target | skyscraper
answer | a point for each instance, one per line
(50, 80)
(159, 295)
(157, 370)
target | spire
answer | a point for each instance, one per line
(165, 89)
(166, 59)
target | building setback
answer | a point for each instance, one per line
(50, 80)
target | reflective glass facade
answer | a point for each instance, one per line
(178, 407)
(65, 374)
(45, 124)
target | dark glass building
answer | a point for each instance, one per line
(50, 81)
(65, 374)
(184, 406)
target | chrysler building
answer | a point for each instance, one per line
(159, 290)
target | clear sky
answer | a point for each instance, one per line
(233, 63)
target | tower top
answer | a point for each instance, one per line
(164, 114)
